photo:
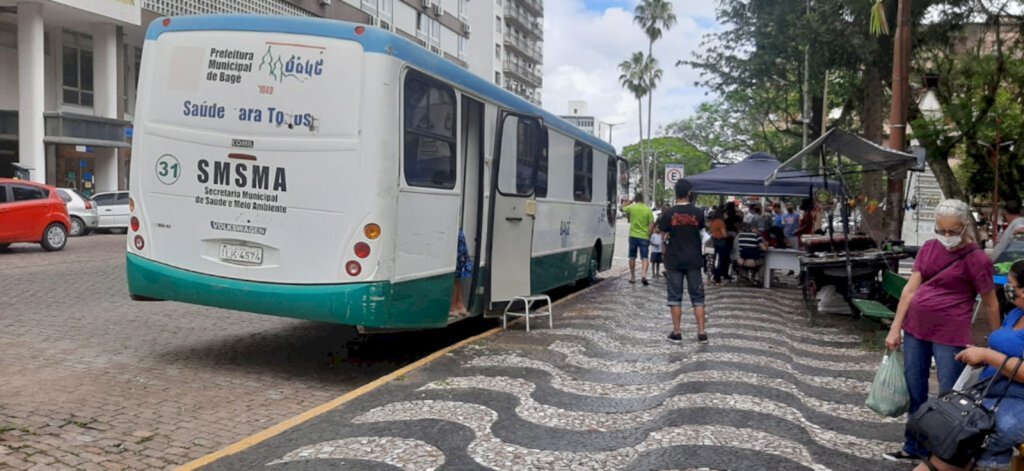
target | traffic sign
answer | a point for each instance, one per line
(674, 173)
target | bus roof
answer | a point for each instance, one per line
(375, 40)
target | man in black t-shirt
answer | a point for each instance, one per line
(682, 225)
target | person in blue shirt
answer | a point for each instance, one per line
(1007, 342)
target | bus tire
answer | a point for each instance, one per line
(135, 297)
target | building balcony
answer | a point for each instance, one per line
(526, 22)
(534, 6)
(532, 50)
(71, 128)
(524, 73)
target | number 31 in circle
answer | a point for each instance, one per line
(168, 169)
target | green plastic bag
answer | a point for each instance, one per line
(889, 396)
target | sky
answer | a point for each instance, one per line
(584, 42)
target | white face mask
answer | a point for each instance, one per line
(950, 242)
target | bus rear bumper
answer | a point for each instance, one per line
(377, 304)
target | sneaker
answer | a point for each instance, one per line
(674, 337)
(702, 338)
(900, 456)
(644, 282)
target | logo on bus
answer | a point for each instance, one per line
(295, 66)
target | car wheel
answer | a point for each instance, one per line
(77, 227)
(55, 237)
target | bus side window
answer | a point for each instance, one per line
(583, 173)
(430, 158)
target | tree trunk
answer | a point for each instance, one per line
(643, 155)
(650, 112)
(872, 115)
(947, 180)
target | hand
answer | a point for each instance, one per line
(974, 356)
(893, 340)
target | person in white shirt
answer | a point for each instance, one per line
(657, 248)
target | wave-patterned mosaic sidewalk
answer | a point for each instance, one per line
(604, 390)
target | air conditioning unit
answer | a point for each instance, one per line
(466, 29)
(384, 25)
(435, 50)
(425, 3)
(325, 2)
(436, 7)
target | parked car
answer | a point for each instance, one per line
(34, 213)
(113, 210)
(84, 216)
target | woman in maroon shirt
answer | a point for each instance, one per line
(935, 310)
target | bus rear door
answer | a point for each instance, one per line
(520, 142)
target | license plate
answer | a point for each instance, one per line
(241, 254)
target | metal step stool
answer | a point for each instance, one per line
(527, 304)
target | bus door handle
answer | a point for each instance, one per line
(514, 219)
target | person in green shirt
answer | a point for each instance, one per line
(641, 219)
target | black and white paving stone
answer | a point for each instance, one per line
(604, 390)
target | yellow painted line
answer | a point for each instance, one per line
(271, 432)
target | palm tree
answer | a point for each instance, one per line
(633, 77)
(655, 17)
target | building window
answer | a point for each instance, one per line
(497, 78)
(370, 6)
(463, 10)
(497, 51)
(429, 122)
(497, 24)
(77, 69)
(463, 47)
(386, 9)
(583, 173)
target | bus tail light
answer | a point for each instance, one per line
(371, 231)
(139, 242)
(362, 250)
(353, 268)
(135, 224)
(131, 205)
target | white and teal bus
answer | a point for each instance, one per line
(323, 170)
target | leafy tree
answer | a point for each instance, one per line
(655, 17)
(980, 88)
(756, 65)
(667, 150)
(635, 76)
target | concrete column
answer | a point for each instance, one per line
(104, 66)
(30, 90)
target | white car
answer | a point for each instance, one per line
(83, 212)
(113, 210)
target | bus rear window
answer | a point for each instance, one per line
(429, 124)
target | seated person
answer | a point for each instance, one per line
(1008, 341)
(777, 238)
(750, 247)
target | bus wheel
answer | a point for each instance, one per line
(135, 297)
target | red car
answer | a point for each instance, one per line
(34, 213)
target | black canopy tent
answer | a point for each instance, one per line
(861, 152)
(862, 156)
(749, 177)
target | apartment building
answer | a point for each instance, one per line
(509, 44)
(69, 70)
(579, 115)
